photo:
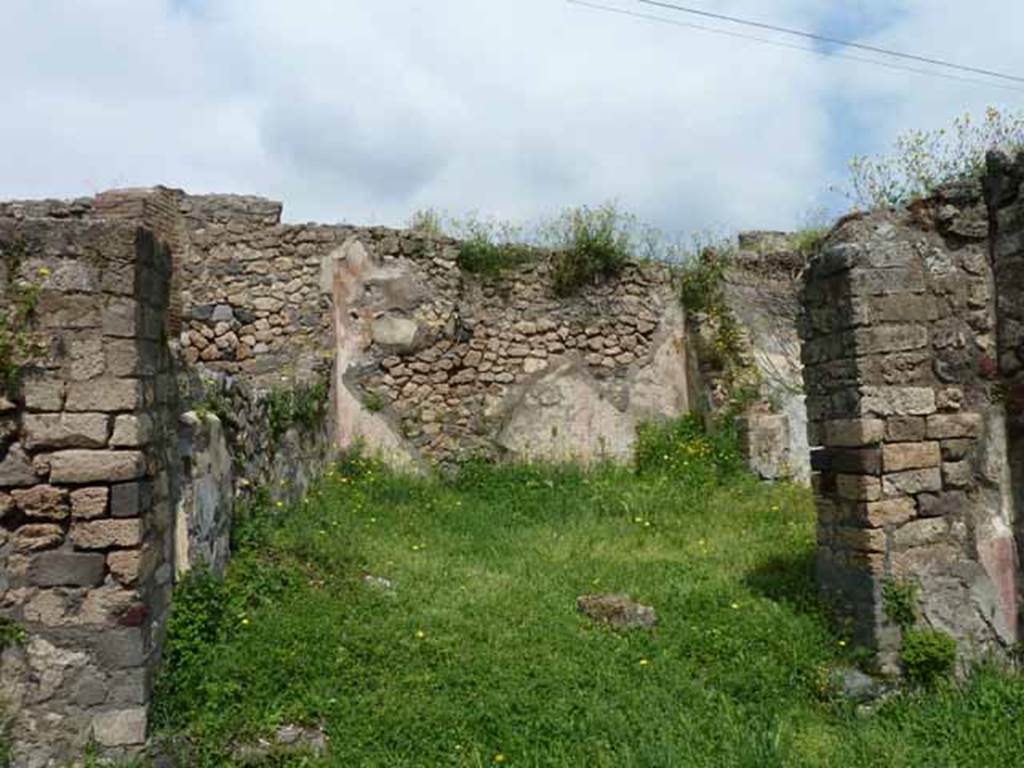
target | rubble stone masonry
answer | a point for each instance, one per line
(905, 401)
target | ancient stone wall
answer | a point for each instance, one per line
(441, 365)
(903, 398)
(432, 363)
(762, 289)
(87, 479)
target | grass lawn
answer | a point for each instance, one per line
(477, 656)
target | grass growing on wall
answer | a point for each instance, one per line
(586, 244)
(477, 657)
(19, 344)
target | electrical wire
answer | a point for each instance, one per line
(831, 40)
(793, 46)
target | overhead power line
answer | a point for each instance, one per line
(832, 40)
(793, 46)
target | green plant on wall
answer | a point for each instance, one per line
(923, 160)
(490, 246)
(11, 634)
(928, 655)
(723, 343)
(427, 221)
(899, 598)
(302, 405)
(590, 244)
(18, 342)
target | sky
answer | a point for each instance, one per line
(364, 111)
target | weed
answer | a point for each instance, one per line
(373, 401)
(481, 256)
(924, 160)
(807, 241)
(428, 221)
(590, 244)
(11, 634)
(215, 401)
(686, 450)
(722, 343)
(928, 655)
(899, 599)
(19, 344)
(197, 620)
(302, 405)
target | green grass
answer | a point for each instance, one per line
(478, 651)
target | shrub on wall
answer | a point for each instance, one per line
(302, 405)
(923, 160)
(590, 244)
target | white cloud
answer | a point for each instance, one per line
(365, 111)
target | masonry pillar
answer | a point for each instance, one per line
(86, 445)
(899, 338)
(1006, 207)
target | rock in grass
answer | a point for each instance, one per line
(378, 583)
(620, 612)
(288, 741)
(857, 686)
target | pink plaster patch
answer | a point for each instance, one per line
(999, 559)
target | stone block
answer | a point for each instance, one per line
(130, 499)
(43, 394)
(120, 318)
(16, 469)
(881, 514)
(120, 728)
(91, 690)
(944, 504)
(858, 487)
(66, 569)
(860, 539)
(906, 429)
(898, 401)
(123, 358)
(103, 534)
(854, 433)
(85, 359)
(957, 450)
(920, 533)
(890, 338)
(42, 502)
(37, 537)
(957, 474)
(125, 565)
(881, 282)
(66, 430)
(132, 431)
(396, 333)
(88, 503)
(129, 686)
(79, 466)
(912, 482)
(856, 461)
(902, 456)
(104, 395)
(952, 425)
(122, 648)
